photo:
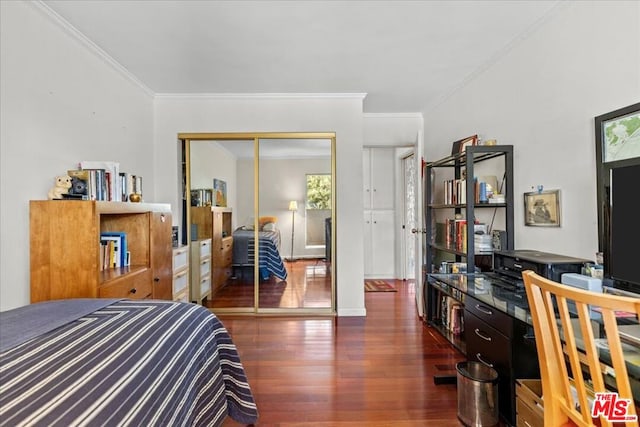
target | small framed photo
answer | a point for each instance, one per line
(219, 192)
(468, 142)
(542, 208)
(461, 145)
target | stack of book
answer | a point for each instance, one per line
(102, 180)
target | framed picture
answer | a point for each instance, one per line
(618, 134)
(219, 192)
(542, 208)
(462, 144)
(468, 142)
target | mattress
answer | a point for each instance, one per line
(269, 243)
(119, 362)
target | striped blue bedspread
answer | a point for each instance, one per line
(131, 363)
(270, 260)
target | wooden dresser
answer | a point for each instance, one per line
(65, 250)
(221, 249)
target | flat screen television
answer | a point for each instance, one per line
(622, 254)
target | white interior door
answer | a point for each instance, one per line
(419, 217)
(409, 217)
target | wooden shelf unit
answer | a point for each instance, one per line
(221, 248)
(65, 250)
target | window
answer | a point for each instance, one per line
(317, 207)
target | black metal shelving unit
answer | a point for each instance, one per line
(459, 162)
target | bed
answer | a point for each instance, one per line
(269, 243)
(119, 362)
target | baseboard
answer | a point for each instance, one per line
(352, 312)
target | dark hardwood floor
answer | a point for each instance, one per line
(308, 285)
(348, 371)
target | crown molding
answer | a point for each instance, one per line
(241, 96)
(90, 45)
(393, 116)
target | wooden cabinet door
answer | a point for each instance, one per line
(161, 255)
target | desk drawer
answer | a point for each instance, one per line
(494, 317)
(486, 344)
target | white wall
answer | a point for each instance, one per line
(210, 160)
(60, 104)
(392, 129)
(542, 97)
(299, 113)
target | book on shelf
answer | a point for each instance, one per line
(451, 315)
(110, 252)
(484, 187)
(109, 184)
(116, 243)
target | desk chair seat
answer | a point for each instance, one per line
(564, 330)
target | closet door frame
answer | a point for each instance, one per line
(186, 139)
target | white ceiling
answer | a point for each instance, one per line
(405, 55)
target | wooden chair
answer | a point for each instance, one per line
(557, 341)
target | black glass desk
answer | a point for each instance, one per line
(480, 288)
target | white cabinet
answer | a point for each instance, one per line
(379, 244)
(200, 270)
(378, 170)
(378, 165)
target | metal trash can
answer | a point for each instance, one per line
(477, 394)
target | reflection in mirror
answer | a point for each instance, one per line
(294, 221)
(259, 225)
(222, 182)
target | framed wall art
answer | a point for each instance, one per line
(542, 208)
(618, 134)
(219, 192)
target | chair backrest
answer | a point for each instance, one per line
(562, 336)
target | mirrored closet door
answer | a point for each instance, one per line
(265, 204)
